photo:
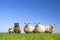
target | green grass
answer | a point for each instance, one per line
(37, 36)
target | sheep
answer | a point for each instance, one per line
(49, 29)
(28, 28)
(17, 28)
(39, 28)
(10, 30)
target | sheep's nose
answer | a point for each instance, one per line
(36, 25)
(15, 26)
(52, 27)
(26, 25)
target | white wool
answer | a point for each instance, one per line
(10, 29)
(29, 28)
(48, 28)
(40, 28)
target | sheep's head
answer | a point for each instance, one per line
(16, 24)
(51, 26)
(27, 25)
(10, 28)
(37, 25)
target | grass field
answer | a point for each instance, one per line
(37, 36)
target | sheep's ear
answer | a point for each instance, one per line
(50, 24)
(35, 23)
(11, 26)
(25, 23)
(28, 23)
(53, 25)
(39, 23)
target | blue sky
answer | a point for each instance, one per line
(32, 11)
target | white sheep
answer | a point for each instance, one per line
(39, 28)
(10, 29)
(49, 29)
(28, 28)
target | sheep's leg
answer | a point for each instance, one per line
(18, 31)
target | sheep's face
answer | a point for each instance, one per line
(26, 25)
(51, 26)
(16, 24)
(37, 25)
